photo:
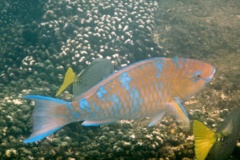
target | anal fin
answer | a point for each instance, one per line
(98, 122)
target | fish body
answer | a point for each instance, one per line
(218, 145)
(99, 69)
(148, 88)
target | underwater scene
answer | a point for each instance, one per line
(120, 79)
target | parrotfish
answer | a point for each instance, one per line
(148, 88)
(219, 145)
(99, 69)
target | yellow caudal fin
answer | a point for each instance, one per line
(68, 79)
(204, 138)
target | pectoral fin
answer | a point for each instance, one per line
(180, 113)
(156, 118)
(204, 139)
(228, 129)
(68, 79)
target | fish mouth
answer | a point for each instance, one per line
(207, 80)
(213, 71)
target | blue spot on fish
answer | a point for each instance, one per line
(137, 100)
(96, 108)
(68, 107)
(125, 79)
(176, 61)
(197, 73)
(114, 99)
(159, 65)
(101, 93)
(75, 114)
(98, 111)
(84, 105)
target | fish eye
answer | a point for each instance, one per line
(196, 76)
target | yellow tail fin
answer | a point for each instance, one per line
(68, 79)
(204, 139)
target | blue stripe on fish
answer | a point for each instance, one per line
(96, 108)
(137, 100)
(69, 107)
(84, 105)
(176, 61)
(37, 97)
(117, 105)
(101, 93)
(125, 80)
(97, 111)
(181, 106)
(75, 114)
(71, 111)
(41, 136)
(114, 99)
(159, 65)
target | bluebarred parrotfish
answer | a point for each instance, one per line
(148, 88)
(217, 145)
(99, 69)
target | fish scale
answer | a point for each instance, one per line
(149, 88)
(131, 80)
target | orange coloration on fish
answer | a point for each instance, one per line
(149, 88)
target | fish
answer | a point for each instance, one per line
(99, 69)
(217, 145)
(148, 88)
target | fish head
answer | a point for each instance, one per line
(192, 76)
